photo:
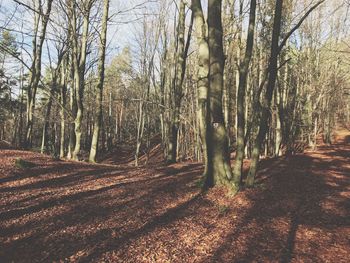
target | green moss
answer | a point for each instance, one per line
(223, 209)
(22, 164)
(200, 183)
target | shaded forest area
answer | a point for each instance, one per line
(174, 130)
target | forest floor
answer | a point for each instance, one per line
(299, 211)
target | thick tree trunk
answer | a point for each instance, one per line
(99, 94)
(79, 61)
(202, 77)
(219, 169)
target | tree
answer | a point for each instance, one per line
(272, 70)
(219, 169)
(181, 51)
(202, 76)
(79, 64)
(40, 21)
(243, 75)
(99, 87)
(192, 98)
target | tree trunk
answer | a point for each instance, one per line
(79, 60)
(202, 76)
(272, 71)
(219, 169)
(140, 130)
(99, 95)
(36, 68)
(45, 134)
(243, 76)
(180, 68)
(73, 109)
(63, 92)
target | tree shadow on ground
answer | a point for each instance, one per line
(299, 211)
(85, 200)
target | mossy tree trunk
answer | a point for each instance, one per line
(99, 88)
(202, 76)
(219, 169)
(79, 61)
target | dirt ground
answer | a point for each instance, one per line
(62, 211)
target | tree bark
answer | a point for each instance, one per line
(63, 94)
(35, 72)
(180, 68)
(219, 169)
(202, 76)
(45, 134)
(99, 94)
(79, 61)
(272, 71)
(243, 76)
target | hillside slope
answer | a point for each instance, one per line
(68, 211)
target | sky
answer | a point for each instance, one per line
(124, 15)
(122, 29)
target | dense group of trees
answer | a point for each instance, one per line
(202, 78)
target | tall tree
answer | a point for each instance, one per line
(55, 74)
(79, 64)
(272, 71)
(180, 68)
(40, 25)
(276, 48)
(202, 76)
(99, 87)
(241, 93)
(219, 169)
